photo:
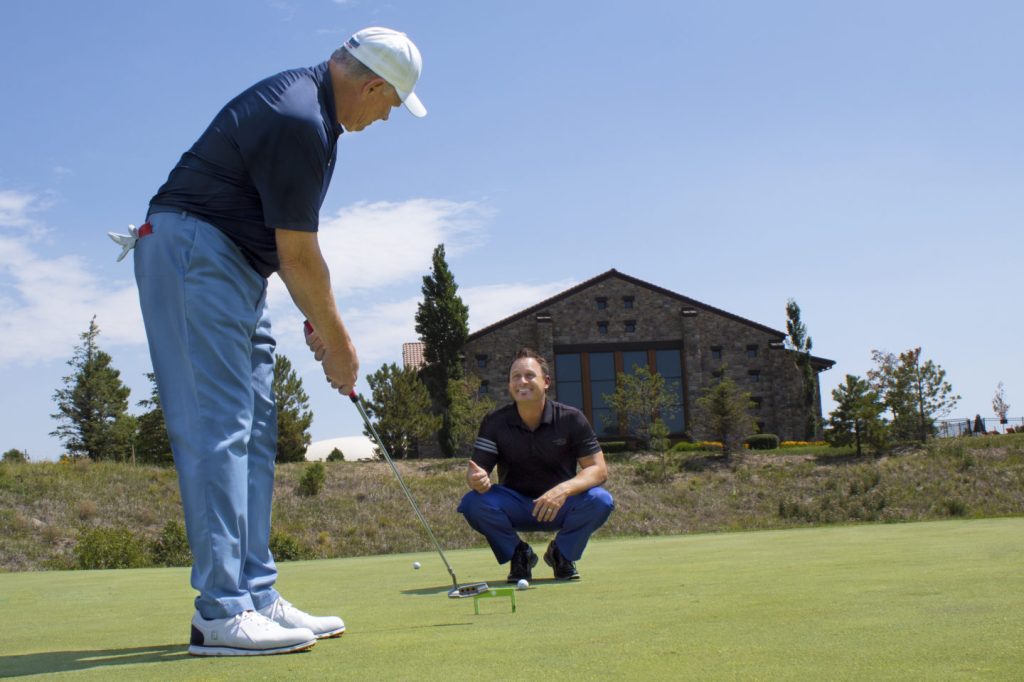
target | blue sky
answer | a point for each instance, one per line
(863, 158)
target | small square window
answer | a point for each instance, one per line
(602, 327)
(627, 302)
(755, 376)
(752, 350)
(629, 326)
(602, 303)
(481, 361)
(716, 352)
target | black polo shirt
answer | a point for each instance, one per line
(264, 163)
(533, 462)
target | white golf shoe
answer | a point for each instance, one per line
(246, 634)
(286, 615)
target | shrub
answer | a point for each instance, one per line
(171, 546)
(336, 455)
(15, 456)
(287, 547)
(312, 480)
(763, 441)
(685, 446)
(111, 548)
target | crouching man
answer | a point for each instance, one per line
(537, 444)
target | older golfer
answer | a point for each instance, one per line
(550, 471)
(241, 204)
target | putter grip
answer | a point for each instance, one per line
(308, 329)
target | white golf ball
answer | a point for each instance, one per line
(522, 584)
(416, 565)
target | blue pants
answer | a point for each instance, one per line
(501, 511)
(206, 319)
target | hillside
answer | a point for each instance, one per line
(67, 515)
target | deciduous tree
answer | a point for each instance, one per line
(915, 392)
(640, 398)
(468, 409)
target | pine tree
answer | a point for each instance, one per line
(857, 418)
(152, 444)
(442, 322)
(800, 342)
(723, 413)
(399, 409)
(92, 405)
(293, 414)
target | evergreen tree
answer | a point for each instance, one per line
(442, 322)
(92, 405)
(152, 446)
(800, 342)
(857, 418)
(640, 398)
(468, 409)
(723, 414)
(400, 410)
(293, 414)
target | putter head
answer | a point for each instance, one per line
(471, 590)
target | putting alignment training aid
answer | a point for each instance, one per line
(492, 594)
(457, 591)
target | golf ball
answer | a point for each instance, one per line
(522, 584)
(416, 565)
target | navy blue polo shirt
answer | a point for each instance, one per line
(265, 162)
(533, 462)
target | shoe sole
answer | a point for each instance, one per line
(330, 635)
(196, 650)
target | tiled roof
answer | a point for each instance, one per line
(412, 355)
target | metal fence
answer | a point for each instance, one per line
(947, 428)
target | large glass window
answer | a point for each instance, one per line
(569, 379)
(602, 380)
(669, 365)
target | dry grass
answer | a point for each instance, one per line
(46, 507)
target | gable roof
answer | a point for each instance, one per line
(822, 363)
(632, 280)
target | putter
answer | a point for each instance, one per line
(457, 591)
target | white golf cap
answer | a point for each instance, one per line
(393, 57)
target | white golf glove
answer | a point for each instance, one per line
(125, 241)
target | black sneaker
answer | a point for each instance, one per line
(522, 562)
(564, 569)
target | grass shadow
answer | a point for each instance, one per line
(19, 665)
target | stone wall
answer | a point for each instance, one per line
(708, 339)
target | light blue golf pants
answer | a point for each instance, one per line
(209, 335)
(500, 512)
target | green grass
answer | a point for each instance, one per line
(49, 512)
(937, 600)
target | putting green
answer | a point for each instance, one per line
(914, 601)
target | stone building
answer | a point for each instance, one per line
(610, 323)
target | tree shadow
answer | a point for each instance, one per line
(18, 665)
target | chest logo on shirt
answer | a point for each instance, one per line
(559, 442)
